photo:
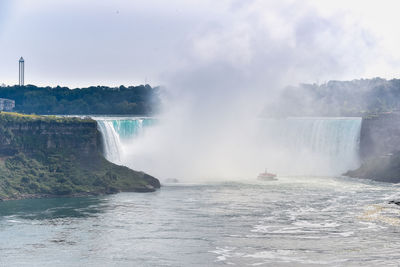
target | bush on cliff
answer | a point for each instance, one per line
(22, 176)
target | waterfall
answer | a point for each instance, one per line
(117, 132)
(111, 141)
(333, 142)
(130, 128)
(292, 146)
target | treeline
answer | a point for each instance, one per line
(132, 100)
(338, 98)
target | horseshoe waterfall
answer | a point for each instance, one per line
(292, 146)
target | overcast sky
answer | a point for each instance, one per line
(113, 42)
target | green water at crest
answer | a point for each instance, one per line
(133, 127)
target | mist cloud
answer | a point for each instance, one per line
(232, 68)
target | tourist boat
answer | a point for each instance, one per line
(266, 176)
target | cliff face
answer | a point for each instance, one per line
(76, 136)
(51, 156)
(380, 136)
(379, 149)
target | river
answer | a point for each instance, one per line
(295, 221)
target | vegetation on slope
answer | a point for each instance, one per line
(20, 117)
(59, 174)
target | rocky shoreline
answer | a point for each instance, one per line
(385, 168)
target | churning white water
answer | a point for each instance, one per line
(290, 146)
(305, 221)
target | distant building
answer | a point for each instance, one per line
(6, 104)
(21, 71)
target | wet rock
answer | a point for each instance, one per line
(396, 202)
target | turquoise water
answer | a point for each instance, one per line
(117, 131)
(295, 221)
(130, 128)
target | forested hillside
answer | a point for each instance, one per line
(338, 98)
(133, 100)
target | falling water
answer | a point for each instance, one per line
(111, 141)
(319, 145)
(117, 132)
(291, 146)
(131, 128)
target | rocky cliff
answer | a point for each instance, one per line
(380, 135)
(30, 134)
(52, 156)
(380, 148)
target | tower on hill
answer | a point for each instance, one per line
(21, 71)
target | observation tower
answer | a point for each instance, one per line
(21, 71)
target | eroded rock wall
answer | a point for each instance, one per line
(380, 136)
(80, 137)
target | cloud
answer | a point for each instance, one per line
(123, 42)
(263, 42)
